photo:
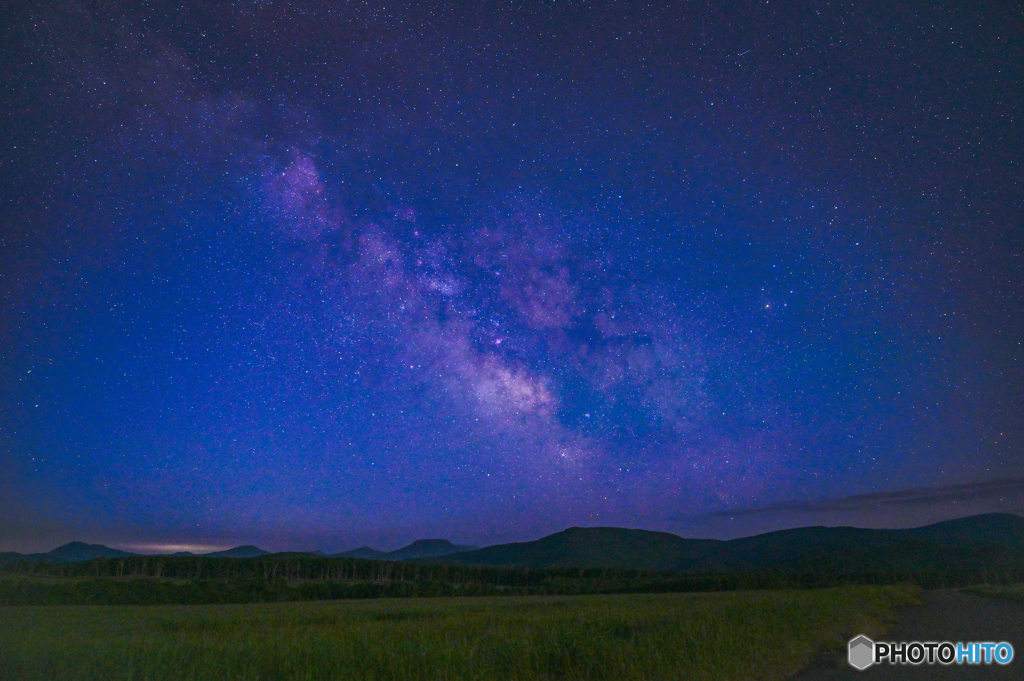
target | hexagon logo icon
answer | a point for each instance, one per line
(862, 652)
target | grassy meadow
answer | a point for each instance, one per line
(714, 636)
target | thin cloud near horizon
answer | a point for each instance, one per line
(905, 497)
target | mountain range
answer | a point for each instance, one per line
(965, 543)
(76, 551)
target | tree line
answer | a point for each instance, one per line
(183, 579)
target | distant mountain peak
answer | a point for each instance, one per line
(245, 551)
(78, 550)
(427, 548)
(421, 548)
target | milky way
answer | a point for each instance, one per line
(313, 276)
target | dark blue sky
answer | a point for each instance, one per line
(316, 275)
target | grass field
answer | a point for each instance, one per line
(720, 636)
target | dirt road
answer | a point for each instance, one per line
(947, 615)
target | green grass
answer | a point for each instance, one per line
(1014, 592)
(720, 636)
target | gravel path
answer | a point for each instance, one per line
(946, 615)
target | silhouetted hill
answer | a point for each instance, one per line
(419, 549)
(1002, 528)
(820, 548)
(68, 553)
(77, 550)
(247, 551)
(10, 557)
(427, 548)
(594, 547)
(966, 543)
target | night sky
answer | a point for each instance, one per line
(318, 275)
